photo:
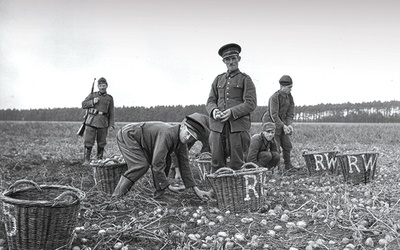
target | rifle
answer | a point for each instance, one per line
(81, 129)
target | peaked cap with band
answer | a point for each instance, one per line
(229, 49)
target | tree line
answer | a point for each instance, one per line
(373, 112)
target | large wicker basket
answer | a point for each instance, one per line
(107, 174)
(241, 190)
(321, 162)
(40, 217)
(203, 163)
(358, 167)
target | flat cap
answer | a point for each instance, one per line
(195, 127)
(285, 80)
(268, 126)
(229, 49)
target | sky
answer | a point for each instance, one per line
(157, 52)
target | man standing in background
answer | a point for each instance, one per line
(231, 100)
(281, 112)
(100, 116)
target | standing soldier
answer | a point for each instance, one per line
(232, 98)
(100, 116)
(281, 112)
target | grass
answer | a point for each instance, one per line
(336, 215)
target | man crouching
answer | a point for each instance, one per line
(150, 145)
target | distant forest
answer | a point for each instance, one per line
(371, 112)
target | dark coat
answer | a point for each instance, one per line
(280, 110)
(258, 144)
(159, 140)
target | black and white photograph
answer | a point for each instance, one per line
(218, 125)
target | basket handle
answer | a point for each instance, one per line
(113, 160)
(249, 165)
(205, 155)
(23, 181)
(61, 198)
(224, 170)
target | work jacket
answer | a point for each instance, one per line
(158, 141)
(280, 110)
(259, 144)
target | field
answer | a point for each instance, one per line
(302, 212)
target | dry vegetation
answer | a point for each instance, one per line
(302, 212)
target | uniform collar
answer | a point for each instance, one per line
(102, 94)
(233, 73)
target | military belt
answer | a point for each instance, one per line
(96, 112)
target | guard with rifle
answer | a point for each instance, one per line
(99, 117)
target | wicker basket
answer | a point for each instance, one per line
(241, 190)
(203, 163)
(40, 217)
(321, 162)
(108, 173)
(358, 167)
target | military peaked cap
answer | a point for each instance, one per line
(229, 50)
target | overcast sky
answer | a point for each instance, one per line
(165, 52)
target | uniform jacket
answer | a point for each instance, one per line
(105, 105)
(280, 110)
(258, 144)
(235, 91)
(159, 140)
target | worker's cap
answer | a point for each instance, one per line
(268, 126)
(229, 50)
(285, 80)
(195, 128)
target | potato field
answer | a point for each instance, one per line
(300, 212)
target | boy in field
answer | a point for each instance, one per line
(263, 149)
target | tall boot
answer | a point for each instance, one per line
(122, 187)
(100, 152)
(86, 157)
(286, 159)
